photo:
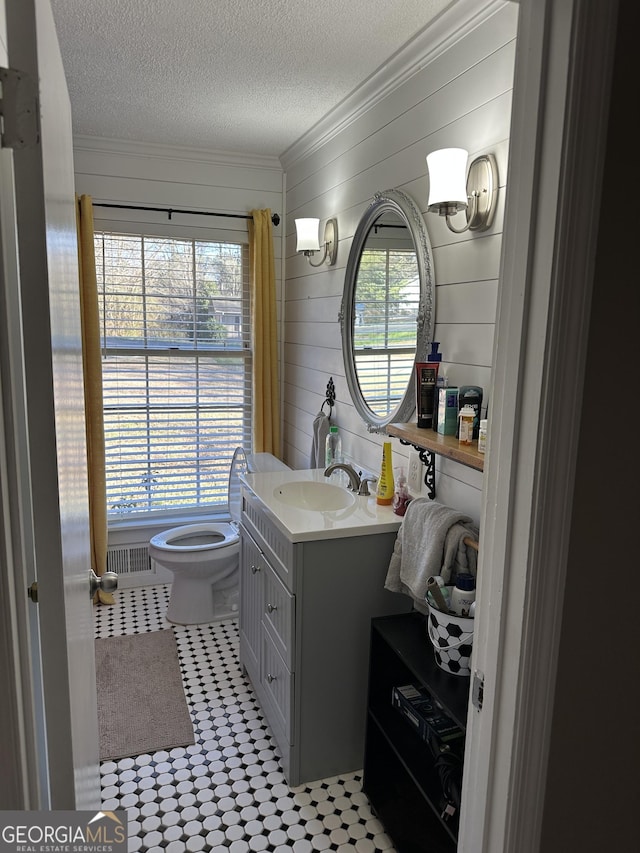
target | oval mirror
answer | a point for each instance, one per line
(388, 309)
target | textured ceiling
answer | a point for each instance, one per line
(249, 76)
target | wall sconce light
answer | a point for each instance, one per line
(452, 188)
(308, 243)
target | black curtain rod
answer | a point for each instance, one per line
(378, 225)
(170, 211)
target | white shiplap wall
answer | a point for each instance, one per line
(460, 95)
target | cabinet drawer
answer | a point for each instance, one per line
(252, 570)
(277, 682)
(278, 614)
(277, 548)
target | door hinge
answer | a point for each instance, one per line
(32, 592)
(19, 109)
(477, 690)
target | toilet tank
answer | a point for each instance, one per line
(260, 463)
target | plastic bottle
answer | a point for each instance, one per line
(482, 436)
(463, 594)
(384, 496)
(426, 378)
(471, 395)
(466, 416)
(333, 447)
(401, 497)
(441, 382)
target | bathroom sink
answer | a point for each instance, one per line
(308, 494)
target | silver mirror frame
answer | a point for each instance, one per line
(389, 201)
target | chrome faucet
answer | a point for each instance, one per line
(355, 484)
(354, 477)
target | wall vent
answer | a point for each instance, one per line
(129, 559)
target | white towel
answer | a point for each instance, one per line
(318, 445)
(459, 557)
(419, 550)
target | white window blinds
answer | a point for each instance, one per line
(384, 332)
(176, 338)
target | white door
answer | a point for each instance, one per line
(46, 476)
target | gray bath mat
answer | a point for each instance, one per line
(141, 703)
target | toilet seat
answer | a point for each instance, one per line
(204, 558)
(239, 465)
(190, 538)
(209, 535)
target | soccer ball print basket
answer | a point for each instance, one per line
(452, 640)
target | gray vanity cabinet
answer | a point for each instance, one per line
(305, 613)
(253, 566)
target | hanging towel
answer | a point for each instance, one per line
(419, 550)
(459, 557)
(320, 432)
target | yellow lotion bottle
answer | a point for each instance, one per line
(384, 496)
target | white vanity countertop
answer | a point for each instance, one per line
(364, 516)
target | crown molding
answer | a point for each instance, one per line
(103, 145)
(437, 37)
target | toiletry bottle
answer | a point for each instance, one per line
(463, 594)
(482, 436)
(384, 496)
(426, 379)
(401, 497)
(466, 416)
(333, 447)
(471, 395)
(434, 355)
(441, 381)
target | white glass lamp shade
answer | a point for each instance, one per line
(447, 179)
(307, 231)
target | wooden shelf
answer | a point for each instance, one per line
(441, 445)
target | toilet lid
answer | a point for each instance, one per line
(238, 466)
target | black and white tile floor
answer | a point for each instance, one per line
(227, 793)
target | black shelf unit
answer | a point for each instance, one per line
(401, 779)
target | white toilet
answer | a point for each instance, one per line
(204, 558)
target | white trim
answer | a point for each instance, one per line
(557, 147)
(454, 24)
(102, 145)
(281, 304)
(22, 738)
(167, 518)
(18, 771)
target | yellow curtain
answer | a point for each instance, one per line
(266, 397)
(92, 370)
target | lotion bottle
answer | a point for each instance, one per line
(384, 496)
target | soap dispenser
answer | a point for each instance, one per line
(401, 497)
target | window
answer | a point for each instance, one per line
(176, 339)
(384, 333)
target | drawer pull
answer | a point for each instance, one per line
(255, 569)
(271, 608)
(270, 678)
